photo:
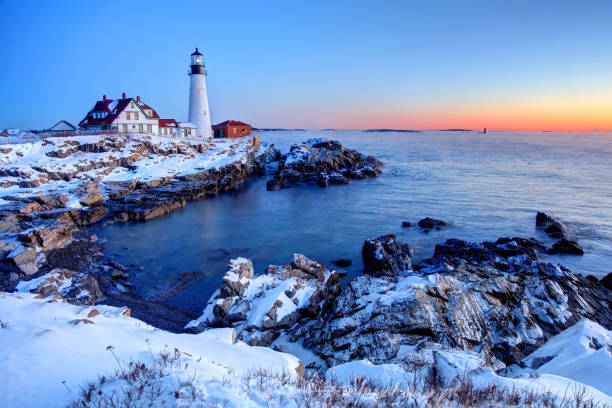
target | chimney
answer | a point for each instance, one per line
(103, 97)
(138, 98)
(123, 95)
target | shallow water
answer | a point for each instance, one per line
(485, 186)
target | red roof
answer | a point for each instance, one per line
(167, 123)
(108, 119)
(154, 114)
(102, 106)
(231, 123)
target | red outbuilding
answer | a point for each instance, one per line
(231, 128)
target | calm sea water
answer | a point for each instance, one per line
(485, 186)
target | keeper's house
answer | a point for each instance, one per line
(131, 115)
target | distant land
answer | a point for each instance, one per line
(277, 130)
(392, 130)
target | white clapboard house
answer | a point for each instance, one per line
(131, 115)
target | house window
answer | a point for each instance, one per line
(135, 115)
(149, 128)
(127, 115)
(234, 130)
(140, 127)
(132, 105)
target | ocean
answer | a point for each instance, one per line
(485, 186)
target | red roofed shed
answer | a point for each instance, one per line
(231, 128)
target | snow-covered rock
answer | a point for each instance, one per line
(322, 161)
(582, 353)
(260, 306)
(51, 185)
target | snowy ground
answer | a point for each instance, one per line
(35, 166)
(53, 353)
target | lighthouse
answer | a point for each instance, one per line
(199, 114)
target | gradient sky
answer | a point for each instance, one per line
(512, 65)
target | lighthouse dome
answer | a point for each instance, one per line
(197, 58)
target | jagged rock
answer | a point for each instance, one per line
(73, 287)
(21, 259)
(47, 235)
(322, 162)
(258, 306)
(91, 195)
(497, 301)
(87, 216)
(385, 256)
(431, 223)
(606, 281)
(555, 230)
(552, 227)
(237, 278)
(497, 296)
(566, 246)
(543, 219)
(51, 201)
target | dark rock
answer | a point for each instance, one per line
(342, 262)
(555, 230)
(406, 224)
(430, 223)
(606, 281)
(21, 260)
(384, 256)
(543, 219)
(566, 246)
(322, 162)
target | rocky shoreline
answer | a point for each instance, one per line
(56, 187)
(487, 310)
(498, 301)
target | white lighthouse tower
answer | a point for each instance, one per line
(199, 114)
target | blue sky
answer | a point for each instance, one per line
(343, 64)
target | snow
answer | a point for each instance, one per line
(384, 374)
(581, 353)
(46, 357)
(29, 160)
(55, 338)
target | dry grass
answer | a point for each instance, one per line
(156, 383)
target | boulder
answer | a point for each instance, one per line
(606, 281)
(543, 219)
(406, 224)
(237, 278)
(431, 223)
(555, 230)
(566, 246)
(276, 300)
(73, 287)
(91, 195)
(385, 256)
(322, 162)
(21, 260)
